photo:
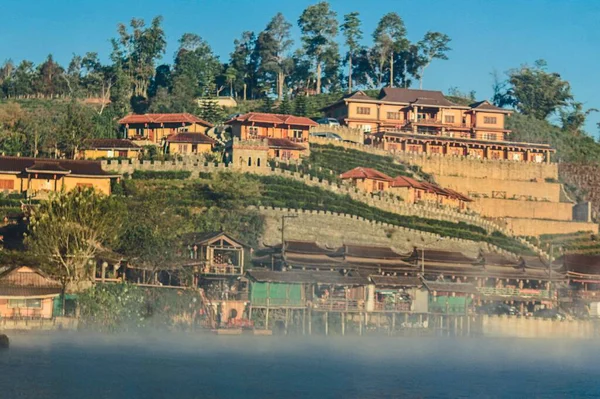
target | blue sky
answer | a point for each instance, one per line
(486, 35)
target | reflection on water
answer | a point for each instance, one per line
(176, 366)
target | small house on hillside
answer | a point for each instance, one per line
(153, 128)
(286, 136)
(218, 253)
(27, 292)
(39, 176)
(186, 143)
(109, 148)
(367, 179)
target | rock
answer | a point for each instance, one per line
(4, 342)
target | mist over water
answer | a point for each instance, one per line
(73, 366)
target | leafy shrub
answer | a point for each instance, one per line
(161, 175)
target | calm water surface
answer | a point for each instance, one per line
(177, 366)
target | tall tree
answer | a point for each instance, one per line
(68, 230)
(319, 27)
(195, 71)
(389, 38)
(274, 44)
(244, 60)
(573, 118)
(433, 45)
(353, 36)
(534, 91)
(137, 51)
(76, 126)
(50, 74)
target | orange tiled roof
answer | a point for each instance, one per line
(188, 137)
(163, 118)
(404, 181)
(277, 119)
(365, 173)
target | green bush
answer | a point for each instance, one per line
(161, 175)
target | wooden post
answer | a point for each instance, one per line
(343, 323)
(360, 323)
(304, 321)
(287, 315)
(326, 315)
(309, 321)
(393, 329)
(267, 316)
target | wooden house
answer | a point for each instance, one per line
(39, 176)
(186, 143)
(109, 148)
(367, 179)
(153, 129)
(217, 253)
(26, 292)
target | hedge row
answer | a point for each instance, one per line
(161, 175)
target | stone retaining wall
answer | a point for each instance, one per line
(335, 229)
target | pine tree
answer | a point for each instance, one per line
(285, 106)
(300, 105)
(267, 105)
(210, 111)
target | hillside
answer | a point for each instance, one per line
(329, 161)
(195, 197)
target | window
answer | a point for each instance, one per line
(489, 120)
(448, 118)
(25, 303)
(393, 115)
(380, 186)
(297, 134)
(6, 184)
(253, 131)
(183, 148)
(122, 154)
(489, 136)
(367, 128)
(363, 110)
(84, 185)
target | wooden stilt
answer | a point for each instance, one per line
(287, 316)
(393, 329)
(309, 321)
(267, 319)
(360, 323)
(343, 324)
(304, 321)
(326, 315)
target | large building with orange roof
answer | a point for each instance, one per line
(426, 122)
(155, 128)
(286, 135)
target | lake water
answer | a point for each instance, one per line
(178, 366)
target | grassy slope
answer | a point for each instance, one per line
(287, 193)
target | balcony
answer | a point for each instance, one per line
(224, 269)
(399, 306)
(514, 292)
(338, 305)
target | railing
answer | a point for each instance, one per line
(338, 305)
(221, 269)
(513, 292)
(400, 306)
